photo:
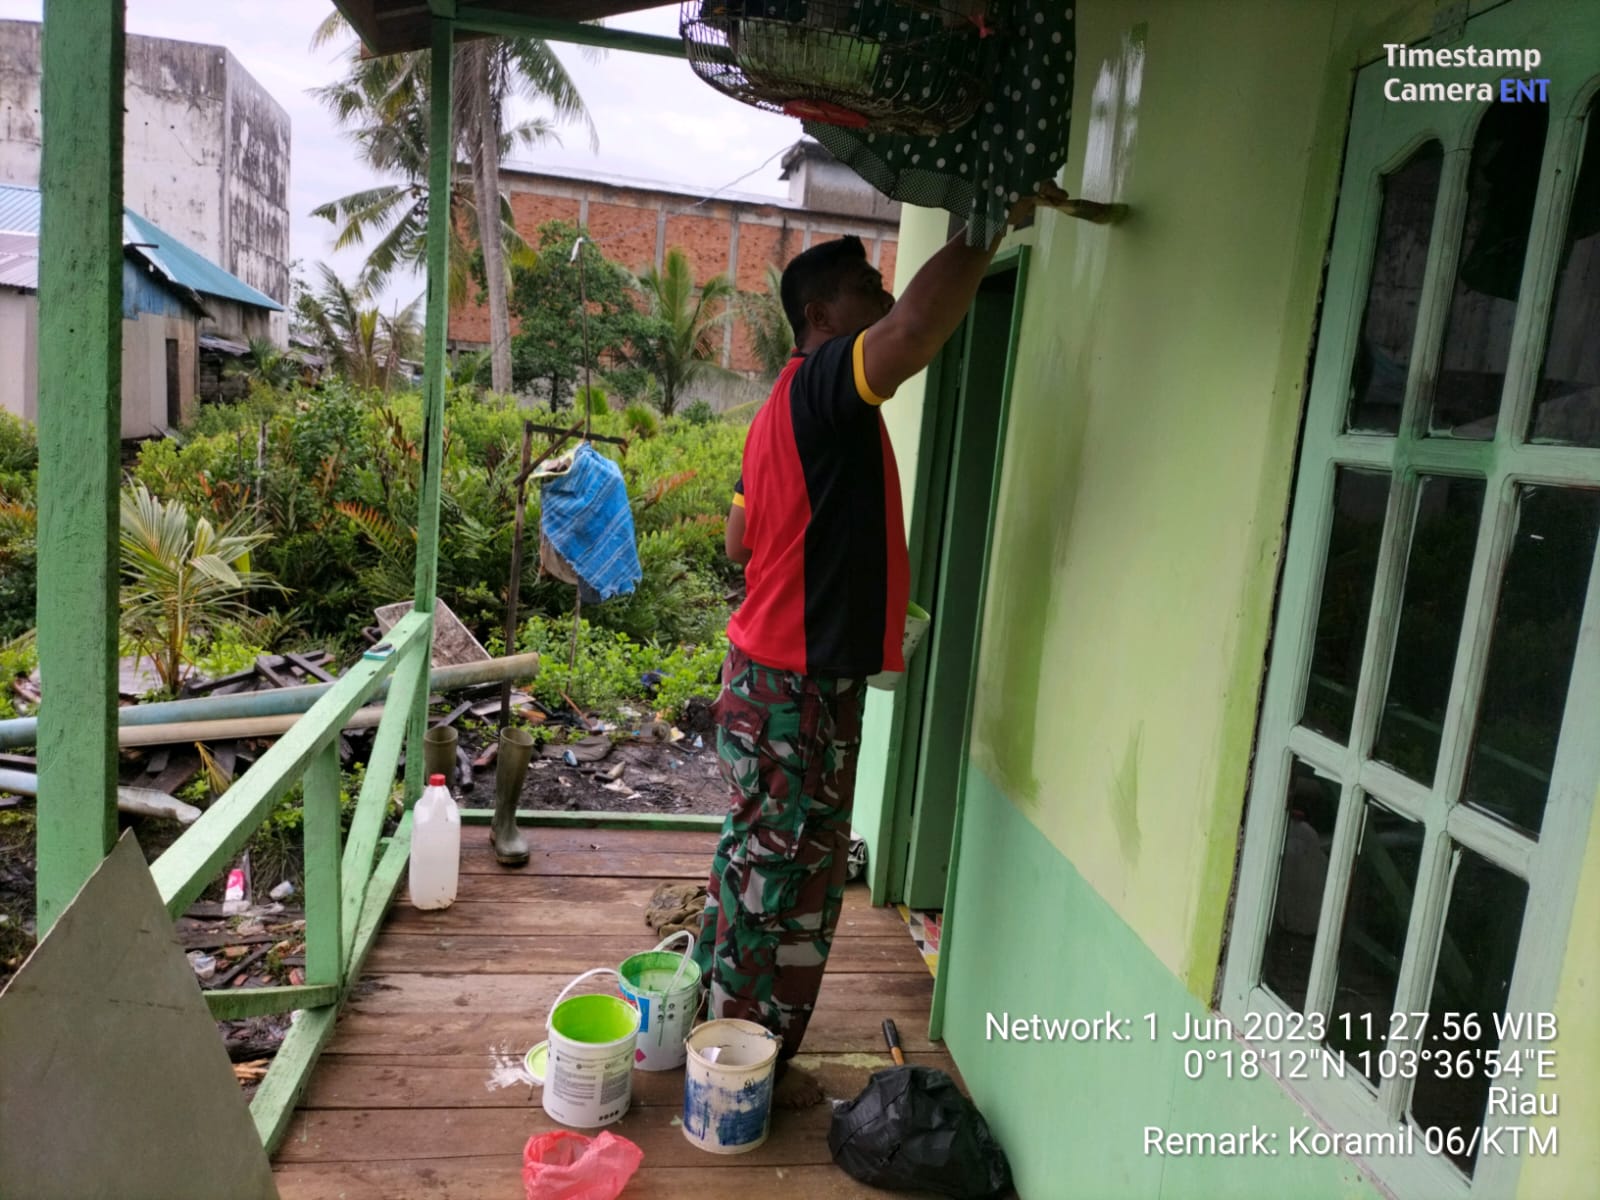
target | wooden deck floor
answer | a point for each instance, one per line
(412, 1097)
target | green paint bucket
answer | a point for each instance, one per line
(589, 1064)
(917, 622)
(665, 988)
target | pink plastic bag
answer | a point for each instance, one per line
(569, 1166)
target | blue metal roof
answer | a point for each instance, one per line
(186, 267)
(175, 262)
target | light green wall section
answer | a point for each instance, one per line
(1071, 1116)
(1147, 472)
(1575, 1171)
(1152, 443)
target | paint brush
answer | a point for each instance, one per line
(892, 1036)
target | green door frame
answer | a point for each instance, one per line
(952, 523)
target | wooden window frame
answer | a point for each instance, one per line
(1383, 136)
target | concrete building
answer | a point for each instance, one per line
(207, 151)
(736, 234)
(173, 303)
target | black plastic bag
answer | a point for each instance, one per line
(912, 1129)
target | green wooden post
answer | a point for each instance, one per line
(80, 418)
(441, 162)
(320, 828)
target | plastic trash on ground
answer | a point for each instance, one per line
(911, 1129)
(569, 1166)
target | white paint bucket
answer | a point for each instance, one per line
(589, 1065)
(665, 988)
(917, 622)
(727, 1086)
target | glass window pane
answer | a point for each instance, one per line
(1373, 935)
(1438, 569)
(1530, 653)
(1400, 260)
(1359, 499)
(1482, 927)
(1502, 180)
(1313, 804)
(1566, 407)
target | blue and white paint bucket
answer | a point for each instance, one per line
(727, 1086)
(665, 988)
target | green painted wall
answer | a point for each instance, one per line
(1575, 1171)
(1072, 1116)
(1148, 464)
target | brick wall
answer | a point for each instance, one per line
(636, 225)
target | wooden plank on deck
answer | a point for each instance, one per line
(514, 954)
(462, 1031)
(368, 1081)
(534, 994)
(498, 1178)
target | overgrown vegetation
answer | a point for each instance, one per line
(282, 522)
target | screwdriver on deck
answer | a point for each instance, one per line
(892, 1036)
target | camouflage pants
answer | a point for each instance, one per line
(787, 745)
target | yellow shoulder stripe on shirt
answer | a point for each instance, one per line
(862, 387)
(738, 500)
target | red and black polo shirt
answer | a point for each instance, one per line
(828, 577)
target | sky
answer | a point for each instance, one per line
(654, 119)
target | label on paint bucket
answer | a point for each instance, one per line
(727, 1091)
(665, 988)
(589, 1070)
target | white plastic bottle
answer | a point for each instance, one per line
(435, 847)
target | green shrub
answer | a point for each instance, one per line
(18, 658)
(697, 413)
(19, 446)
(641, 421)
(612, 669)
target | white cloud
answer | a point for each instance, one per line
(655, 120)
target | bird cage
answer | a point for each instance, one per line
(884, 66)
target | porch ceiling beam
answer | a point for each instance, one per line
(80, 429)
(471, 18)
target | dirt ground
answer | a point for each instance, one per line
(655, 776)
(638, 774)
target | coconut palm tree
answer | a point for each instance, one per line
(771, 335)
(684, 341)
(385, 102)
(363, 344)
(181, 575)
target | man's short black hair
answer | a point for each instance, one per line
(816, 274)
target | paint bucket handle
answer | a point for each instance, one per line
(688, 953)
(672, 937)
(549, 1022)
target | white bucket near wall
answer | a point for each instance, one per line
(917, 622)
(727, 1086)
(665, 988)
(589, 1064)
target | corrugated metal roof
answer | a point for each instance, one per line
(186, 267)
(19, 210)
(174, 261)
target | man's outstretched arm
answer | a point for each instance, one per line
(933, 304)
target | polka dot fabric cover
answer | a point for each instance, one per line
(1016, 141)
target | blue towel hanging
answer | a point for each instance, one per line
(585, 514)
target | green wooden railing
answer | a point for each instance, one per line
(347, 889)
